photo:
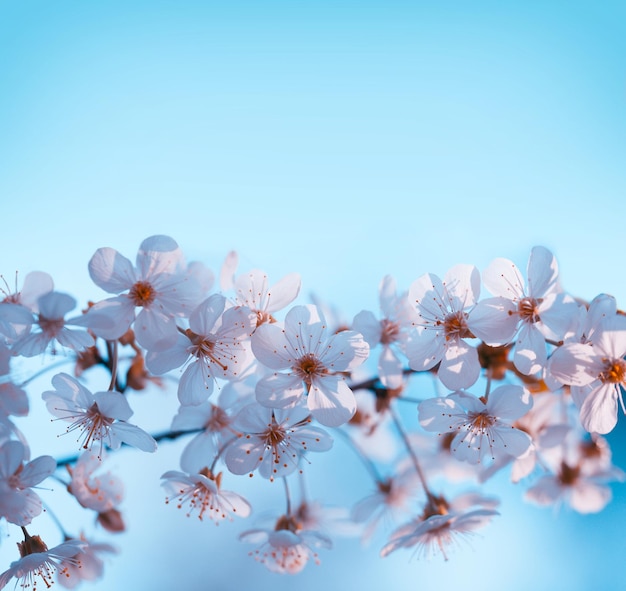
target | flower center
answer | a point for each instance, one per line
(309, 367)
(614, 371)
(481, 422)
(528, 309)
(390, 331)
(274, 435)
(218, 421)
(568, 474)
(50, 326)
(142, 293)
(455, 326)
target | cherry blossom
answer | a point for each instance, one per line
(18, 503)
(273, 440)
(442, 327)
(159, 284)
(316, 360)
(482, 427)
(524, 312)
(100, 417)
(203, 494)
(85, 565)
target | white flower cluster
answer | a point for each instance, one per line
(527, 378)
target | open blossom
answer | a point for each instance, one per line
(315, 361)
(18, 503)
(390, 332)
(254, 291)
(53, 327)
(158, 283)
(203, 494)
(100, 417)
(38, 563)
(85, 565)
(216, 345)
(274, 441)
(442, 326)
(483, 428)
(441, 525)
(287, 547)
(596, 373)
(99, 492)
(524, 312)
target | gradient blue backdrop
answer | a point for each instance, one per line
(344, 140)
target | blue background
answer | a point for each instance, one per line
(343, 140)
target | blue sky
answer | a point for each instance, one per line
(345, 141)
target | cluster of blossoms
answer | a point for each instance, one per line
(527, 379)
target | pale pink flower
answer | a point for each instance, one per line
(38, 563)
(527, 313)
(441, 525)
(274, 441)
(99, 492)
(254, 291)
(483, 428)
(596, 373)
(18, 503)
(100, 417)
(390, 332)
(316, 361)
(202, 493)
(53, 327)
(216, 345)
(159, 284)
(85, 565)
(442, 327)
(287, 547)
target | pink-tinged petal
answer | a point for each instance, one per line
(269, 346)
(155, 331)
(598, 413)
(509, 402)
(283, 293)
(601, 307)
(386, 297)
(390, 369)
(314, 439)
(610, 337)
(15, 320)
(428, 294)
(279, 390)
(13, 400)
(530, 354)
(36, 284)
(459, 367)
(111, 271)
(589, 497)
(227, 273)
(503, 278)
(54, 304)
(19, 507)
(134, 436)
(492, 320)
(78, 340)
(70, 389)
(542, 272)
(558, 313)
(282, 464)
(369, 326)
(440, 415)
(31, 345)
(425, 348)
(12, 454)
(331, 401)
(471, 447)
(575, 364)
(113, 405)
(468, 401)
(201, 275)
(192, 417)
(462, 284)
(176, 295)
(159, 254)
(37, 471)
(344, 351)
(199, 452)
(203, 319)
(305, 329)
(244, 455)
(523, 467)
(237, 503)
(111, 318)
(195, 385)
(511, 441)
(160, 362)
